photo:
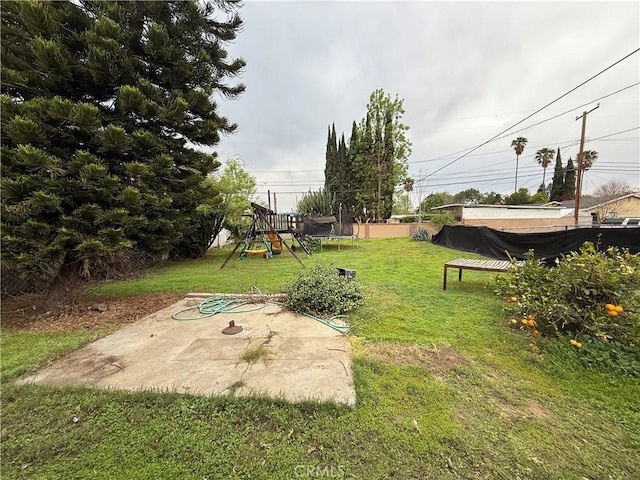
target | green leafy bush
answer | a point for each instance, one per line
(594, 354)
(322, 291)
(439, 220)
(313, 244)
(591, 292)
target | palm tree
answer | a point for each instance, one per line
(518, 145)
(544, 157)
(588, 158)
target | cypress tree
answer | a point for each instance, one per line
(389, 180)
(328, 165)
(331, 161)
(365, 174)
(341, 174)
(350, 174)
(101, 103)
(557, 185)
(569, 185)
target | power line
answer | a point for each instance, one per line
(613, 134)
(443, 157)
(612, 167)
(617, 166)
(563, 145)
(568, 111)
(536, 112)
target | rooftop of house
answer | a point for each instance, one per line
(480, 205)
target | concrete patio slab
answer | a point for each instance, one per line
(294, 357)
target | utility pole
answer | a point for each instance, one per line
(576, 207)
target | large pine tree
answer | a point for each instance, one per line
(102, 103)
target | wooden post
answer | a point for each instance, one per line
(576, 207)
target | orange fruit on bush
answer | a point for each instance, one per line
(524, 321)
(578, 345)
(531, 323)
(514, 299)
(572, 341)
(609, 306)
(612, 313)
(619, 309)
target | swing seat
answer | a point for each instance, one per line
(255, 251)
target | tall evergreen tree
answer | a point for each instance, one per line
(331, 157)
(569, 184)
(342, 174)
(350, 174)
(365, 176)
(557, 185)
(381, 163)
(388, 176)
(101, 102)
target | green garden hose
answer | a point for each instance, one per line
(228, 304)
(213, 305)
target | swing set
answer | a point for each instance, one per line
(264, 239)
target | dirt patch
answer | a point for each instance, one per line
(532, 409)
(437, 359)
(536, 410)
(27, 312)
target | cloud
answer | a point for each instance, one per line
(466, 71)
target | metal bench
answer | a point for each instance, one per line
(481, 265)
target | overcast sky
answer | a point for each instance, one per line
(466, 71)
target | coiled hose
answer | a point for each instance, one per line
(221, 304)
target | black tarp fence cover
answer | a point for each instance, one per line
(548, 246)
(328, 226)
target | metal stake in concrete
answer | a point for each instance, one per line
(232, 329)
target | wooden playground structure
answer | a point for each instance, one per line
(264, 235)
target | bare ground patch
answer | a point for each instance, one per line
(29, 312)
(531, 409)
(437, 359)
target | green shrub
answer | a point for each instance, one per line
(594, 354)
(572, 297)
(439, 220)
(322, 291)
(313, 244)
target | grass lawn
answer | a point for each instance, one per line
(445, 390)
